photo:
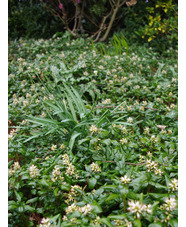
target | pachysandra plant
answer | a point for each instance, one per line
(96, 148)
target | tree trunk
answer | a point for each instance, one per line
(110, 23)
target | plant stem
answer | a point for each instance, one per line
(124, 204)
(148, 188)
(24, 220)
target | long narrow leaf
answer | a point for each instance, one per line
(70, 93)
(72, 139)
(79, 100)
(71, 108)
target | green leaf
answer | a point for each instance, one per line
(157, 185)
(18, 196)
(112, 197)
(137, 223)
(44, 182)
(173, 223)
(83, 140)
(92, 182)
(167, 179)
(72, 139)
(12, 205)
(106, 221)
(106, 141)
(29, 208)
(75, 214)
(156, 224)
(40, 210)
(141, 198)
(120, 216)
(160, 197)
(56, 192)
(33, 200)
(71, 108)
(140, 182)
(155, 205)
(96, 208)
(54, 218)
(21, 209)
(10, 163)
(65, 187)
(97, 157)
(109, 187)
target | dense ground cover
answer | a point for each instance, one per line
(93, 134)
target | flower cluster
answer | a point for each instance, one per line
(33, 171)
(153, 166)
(122, 223)
(139, 208)
(118, 222)
(84, 210)
(62, 146)
(173, 185)
(12, 134)
(130, 120)
(71, 208)
(121, 127)
(73, 193)
(70, 167)
(125, 179)
(71, 170)
(106, 101)
(153, 139)
(123, 141)
(56, 174)
(128, 223)
(45, 222)
(53, 147)
(169, 205)
(95, 167)
(66, 160)
(15, 167)
(93, 129)
(146, 131)
(96, 221)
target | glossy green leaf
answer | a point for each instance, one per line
(106, 222)
(173, 222)
(156, 224)
(92, 182)
(29, 208)
(112, 197)
(137, 223)
(96, 208)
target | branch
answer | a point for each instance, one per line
(122, 3)
(80, 17)
(63, 18)
(136, 164)
(111, 3)
(115, 10)
(102, 26)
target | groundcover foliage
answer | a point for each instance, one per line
(92, 134)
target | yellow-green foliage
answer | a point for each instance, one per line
(162, 21)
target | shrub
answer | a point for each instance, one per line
(153, 22)
(29, 19)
